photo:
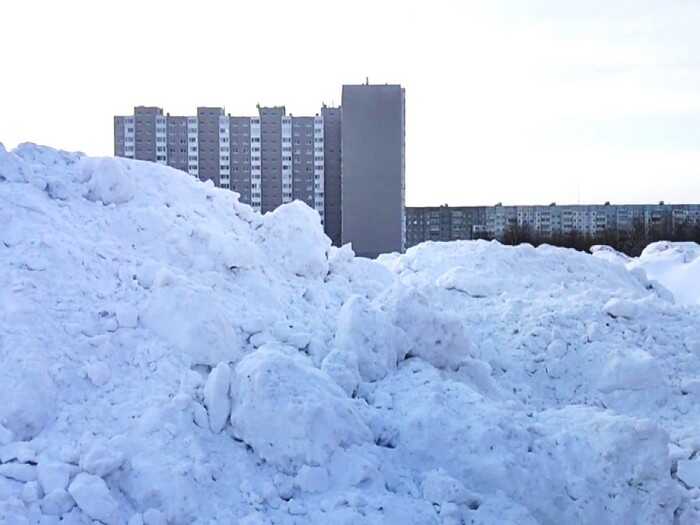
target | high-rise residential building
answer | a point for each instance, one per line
(373, 168)
(269, 159)
(273, 158)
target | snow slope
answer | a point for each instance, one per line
(170, 356)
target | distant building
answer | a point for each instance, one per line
(373, 168)
(269, 159)
(273, 158)
(444, 223)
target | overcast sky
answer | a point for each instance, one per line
(507, 100)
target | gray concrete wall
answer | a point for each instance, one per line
(373, 168)
(331, 167)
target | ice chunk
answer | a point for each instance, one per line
(630, 369)
(469, 282)
(290, 412)
(54, 475)
(18, 471)
(101, 458)
(31, 406)
(342, 367)
(110, 182)
(440, 487)
(57, 503)
(437, 336)
(367, 332)
(621, 308)
(98, 373)
(689, 472)
(216, 396)
(94, 499)
(305, 249)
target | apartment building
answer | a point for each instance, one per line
(269, 159)
(444, 223)
(373, 168)
(273, 158)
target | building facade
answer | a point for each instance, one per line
(444, 223)
(373, 168)
(269, 159)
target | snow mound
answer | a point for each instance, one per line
(172, 357)
(676, 265)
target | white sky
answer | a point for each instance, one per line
(507, 100)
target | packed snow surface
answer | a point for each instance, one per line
(169, 356)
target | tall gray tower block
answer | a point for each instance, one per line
(373, 168)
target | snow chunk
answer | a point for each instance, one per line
(18, 471)
(101, 458)
(127, 316)
(689, 472)
(291, 413)
(216, 396)
(439, 487)
(621, 308)
(57, 503)
(367, 332)
(31, 492)
(304, 251)
(98, 373)
(195, 322)
(434, 335)
(342, 367)
(110, 182)
(466, 281)
(54, 475)
(31, 406)
(631, 369)
(94, 499)
(6, 435)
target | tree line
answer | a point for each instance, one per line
(629, 241)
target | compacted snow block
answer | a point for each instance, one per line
(94, 499)
(290, 412)
(367, 332)
(31, 406)
(434, 335)
(629, 369)
(294, 238)
(216, 397)
(109, 181)
(194, 322)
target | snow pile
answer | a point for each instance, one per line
(171, 357)
(676, 265)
